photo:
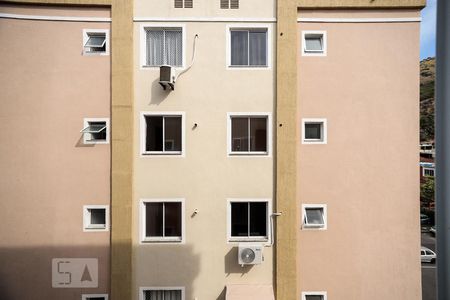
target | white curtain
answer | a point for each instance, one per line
(173, 47)
(258, 48)
(239, 48)
(155, 47)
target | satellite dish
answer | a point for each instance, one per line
(248, 255)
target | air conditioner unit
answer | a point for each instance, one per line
(167, 77)
(250, 254)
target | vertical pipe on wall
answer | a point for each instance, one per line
(443, 149)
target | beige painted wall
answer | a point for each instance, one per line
(368, 89)
(209, 8)
(205, 177)
(48, 87)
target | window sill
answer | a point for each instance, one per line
(254, 153)
(314, 142)
(313, 227)
(95, 53)
(162, 240)
(179, 153)
(248, 240)
(94, 229)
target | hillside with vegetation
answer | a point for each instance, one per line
(427, 77)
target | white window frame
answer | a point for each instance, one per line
(87, 218)
(315, 227)
(267, 153)
(87, 296)
(143, 132)
(86, 121)
(86, 33)
(264, 240)
(143, 43)
(165, 288)
(428, 169)
(324, 43)
(324, 131)
(248, 26)
(314, 293)
(166, 240)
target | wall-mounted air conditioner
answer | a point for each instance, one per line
(250, 254)
(167, 77)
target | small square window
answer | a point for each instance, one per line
(314, 131)
(95, 131)
(249, 134)
(248, 220)
(95, 218)
(314, 43)
(162, 220)
(162, 293)
(314, 216)
(96, 42)
(314, 296)
(162, 134)
(248, 47)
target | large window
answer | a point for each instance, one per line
(248, 47)
(249, 134)
(162, 133)
(162, 220)
(248, 220)
(164, 46)
(162, 293)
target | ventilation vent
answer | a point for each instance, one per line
(187, 3)
(226, 4)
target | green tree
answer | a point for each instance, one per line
(427, 190)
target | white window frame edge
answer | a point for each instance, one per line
(142, 218)
(324, 128)
(86, 123)
(85, 38)
(143, 132)
(86, 215)
(143, 41)
(86, 296)
(429, 169)
(314, 293)
(266, 26)
(239, 240)
(248, 153)
(165, 288)
(324, 41)
(325, 217)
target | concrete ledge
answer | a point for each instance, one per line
(361, 3)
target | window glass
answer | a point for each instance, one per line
(101, 135)
(98, 216)
(172, 226)
(313, 131)
(314, 297)
(164, 47)
(258, 48)
(248, 47)
(162, 295)
(258, 218)
(239, 219)
(239, 134)
(239, 48)
(422, 252)
(313, 43)
(154, 219)
(314, 216)
(154, 133)
(258, 134)
(428, 252)
(172, 139)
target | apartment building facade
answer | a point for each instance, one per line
(262, 145)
